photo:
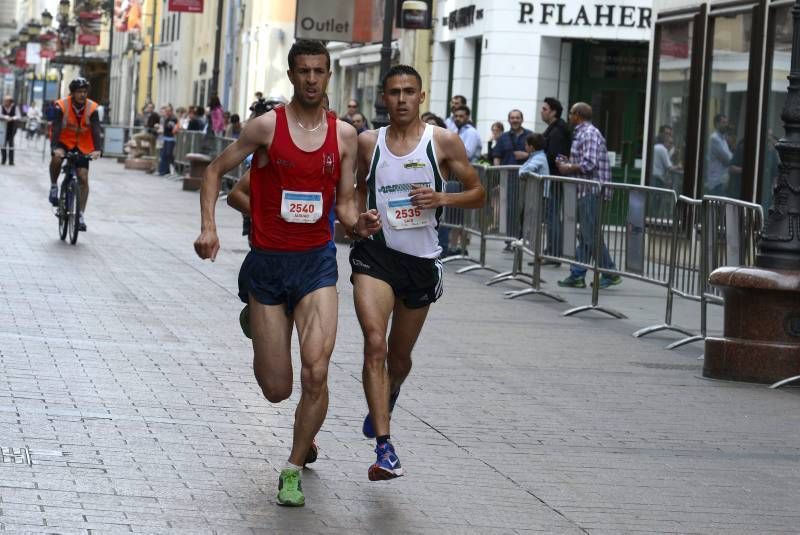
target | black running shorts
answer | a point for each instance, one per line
(417, 281)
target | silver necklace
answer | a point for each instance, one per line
(297, 120)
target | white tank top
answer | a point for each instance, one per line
(405, 228)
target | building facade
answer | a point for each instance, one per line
(503, 55)
(718, 82)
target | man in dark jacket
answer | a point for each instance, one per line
(557, 142)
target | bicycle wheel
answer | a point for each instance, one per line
(73, 209)
(62, 213)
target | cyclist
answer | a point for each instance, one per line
(76, 126)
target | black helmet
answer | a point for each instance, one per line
(78, 83)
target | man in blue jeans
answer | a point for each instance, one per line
(168, 139)
(589, 160)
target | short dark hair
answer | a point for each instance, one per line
(461, 98)
(462, 108)
(718, 117)
(400, 70)
(518, 111)
(307, 47)
(535, 140)
(663, 128)
(436, 119)
(555, 105)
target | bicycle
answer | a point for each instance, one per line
(68, 210)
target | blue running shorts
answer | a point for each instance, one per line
(279, 277)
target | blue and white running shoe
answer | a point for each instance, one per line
(367, 428)
(387, 466)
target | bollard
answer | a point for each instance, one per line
(197, 168)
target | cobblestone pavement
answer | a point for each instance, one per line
(125, 375)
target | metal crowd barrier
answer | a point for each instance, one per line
(534, 196)
(552, 225)
(519, 197)
(484, 222)
(684, 266)
(186, 142)
(500, 218)
(116, 137)
(190, 141)
(632, 237)
(729, 238)
(639, 232)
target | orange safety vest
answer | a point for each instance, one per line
(76, 132)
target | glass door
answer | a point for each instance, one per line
(611, 77)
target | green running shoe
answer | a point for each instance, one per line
(290, 489)
(244, 321)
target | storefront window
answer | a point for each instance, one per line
(726, 106)
(775, 95)
(672, 104)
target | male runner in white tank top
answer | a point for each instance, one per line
(396, 272)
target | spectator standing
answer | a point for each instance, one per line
(257, 104)
(216, 116)
(456, 101)
(183, 117)
(353, 110)
(718, 157)
(557, 141)
(195, 122)
(234, 128)
(510, 149)
(9, 114)
(33, 122)
(662, 162)
(497, 131)
(150, 120)
(432, 118)
(468, 134)
(537, 161)
(472, 144)
(168, 129)
(589, 160)
(359, 122)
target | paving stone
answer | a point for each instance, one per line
(124, 371)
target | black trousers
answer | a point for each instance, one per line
(8, 153)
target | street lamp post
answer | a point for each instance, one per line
(761, 339)
(780, 247)
(381, 117)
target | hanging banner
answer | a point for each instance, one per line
(48, 41)
(185, 6)
(89, 23)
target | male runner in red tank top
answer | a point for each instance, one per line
(304, 158)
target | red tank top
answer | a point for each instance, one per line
(292, 169)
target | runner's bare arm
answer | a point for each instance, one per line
(366, 146)
(239, 197)
(256, 133)
(357, 222)
(452, 154)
